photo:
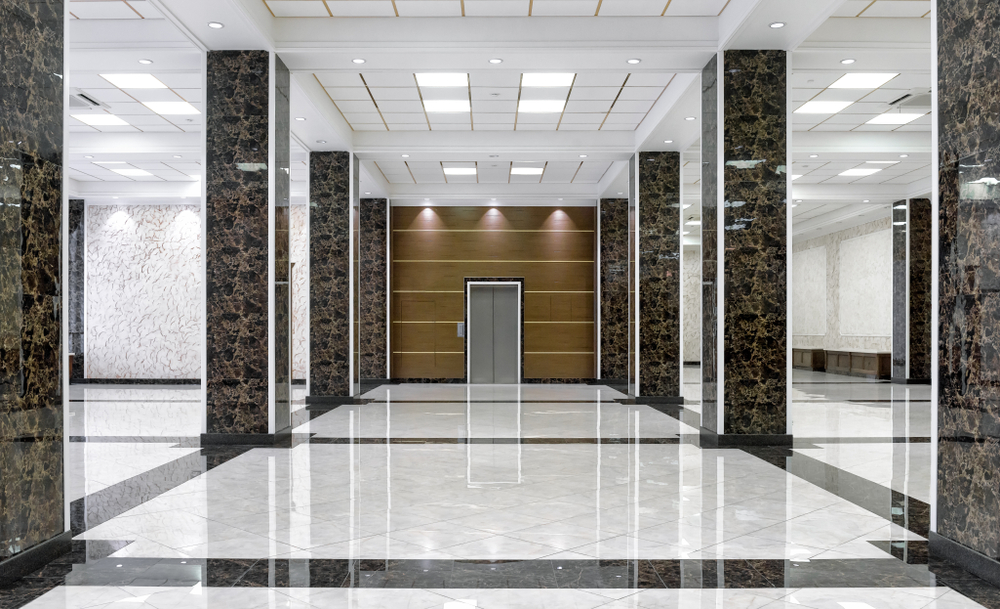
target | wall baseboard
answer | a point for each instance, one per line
(135, 381)
(710, 439)
(902, 380)
(298, 381)
(698, 363)
(974, 562)
(35, 558)
(657, 399)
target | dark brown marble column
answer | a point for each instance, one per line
(911, 291)
(749, 126)
(32, 523)
(374, 222)
(246, 237)
(329, 279)
(660, 275)
(633, 261)
(614, 290)
(899, 292)
(968, 521)
(709, 246)
(76, 284)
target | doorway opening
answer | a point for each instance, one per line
(493, 335)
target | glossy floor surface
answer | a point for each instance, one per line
(459, 496)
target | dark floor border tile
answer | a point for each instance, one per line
(315, 440)
(135, 381)
(34, 558)
(970, 560)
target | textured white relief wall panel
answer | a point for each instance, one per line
(692, 304)
(300, 291)
(143, 273)
(866, 285)
(809, 292)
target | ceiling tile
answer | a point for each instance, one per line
(392, 93)
(640, 93)
(600, 79)
(496, 8)
(851, 8)
(340, 79)
(631, 106)
(361, 8)
(587, 106)
(493, 117)
(649, 79)
(595, 118)
(544, 93)
(396, 106)
(407, 126)
(429, 8)
(580, 8)
(695, 8)
(595, 93)
(898, 8)
(631, 8)
(297, 8)
(103, 10)
(405, 117)
(355, 106)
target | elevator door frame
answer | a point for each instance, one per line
(501, 282)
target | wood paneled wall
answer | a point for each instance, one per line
(434, 249)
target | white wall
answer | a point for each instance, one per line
(691, 276)
(300, 290)
(853, 268)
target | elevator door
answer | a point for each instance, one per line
(494, 336)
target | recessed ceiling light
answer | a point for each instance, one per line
(891, 118)
(634, 61)
(822, 107)
(320, 141)
(859, 172)
(405, 156)
(88, 156)
(368, 192)
(443, 79)
(134, 81)
(863, 81)
(496, 60)
(690, 118)
(526, 171)
(446, 105)
(100, 119)
(146, 62)
(215, 25)
(813, 156)
(668, 141)
(547, 79)
(171, 108)
(847, 61)
(777, 25)
(583, 156)
(300, 118)
(904, 156)
(177, 156)
(541, 106)
(358, 61)
(459, 171)
(866, 201)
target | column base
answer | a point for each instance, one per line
(978, 564)
(35, 558)
(326, 402)
(659, 399)
(902, 380)
(710, 439)
(245, 439)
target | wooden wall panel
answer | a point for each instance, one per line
(435, 249)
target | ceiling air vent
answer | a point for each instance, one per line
(914, 100)
(80, 100)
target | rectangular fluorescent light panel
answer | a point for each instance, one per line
(863, 81)
(822, 107)
(171, 108)
(541, 106)
(459, 171)
(891, 118)
(860, 172)
(796, 176)
(132, 173)
(526, 171)
(134, 81)
(443, 79)
(100, 119)
(547, 79)
(447, 105)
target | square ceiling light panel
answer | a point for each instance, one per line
(100, 119)
(547, 79)
(859, 172)
(863, 80)
(893, 118)
(442, 79)
(134, 81)
(822, 107)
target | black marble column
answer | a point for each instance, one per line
(911, 291)
(374, 222)
(614, 290)
(968, 519)
(660, 275)
(329, 279)
(899, 291)
(709, 246)
(751, 129)
(76, 284)
(32, 524)
(355, 276)
(246, 245)
(633, 261)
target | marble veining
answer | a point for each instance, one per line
(709, 245)
(920, 263)
(900, 295)
(614, 289)
(372, 291)
(75, 285)
(866, 285)
(356, 274)
(299, 235)
(329, 289)
(659, 273)
(281, 315)
(143, 278)
(691, 303)
(633, 220)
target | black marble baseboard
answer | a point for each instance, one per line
(608, 382)
(710, 439)
(902, 380)
(978, 564)
(89, 381)
(34, 558)
(659, 399)
(369, 384)
(244, 439)
(298, 381)
(698, 363)
(331, 401)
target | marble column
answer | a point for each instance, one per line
(911, 291)
(355, 278)
(967, 526)
(32, 523)
(660, 276)
(373, 291)
(745, 241)
(76, 284)
(633, 261)
(246, 233)
(614, 284)
(329, 275)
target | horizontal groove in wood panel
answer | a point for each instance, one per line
(559, 291)
(436, 322)
(429, 292)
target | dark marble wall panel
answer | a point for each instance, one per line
(709, 244)
(374, 221)
(281, 319)
(756, 240)
(920, 263)
(899, 294)
(31, 132)
(76, 284)
(969, 275)
(632, 262)
(659, 274)
(614, 289)
(329, 265)
(236, 235)
(356, 272)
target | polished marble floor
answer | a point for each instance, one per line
(459, 496)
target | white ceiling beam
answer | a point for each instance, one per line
(109, 191)
(900, 142)
(856, 193)
(748, 27)
(848, 215)
(682, 86)
(188, 144)
(487, 191)
(473, 145)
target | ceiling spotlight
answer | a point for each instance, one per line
(583, 156)
(777, 25)
(146, 62)
(866, 201)
(300, 118)
(405, 156)
(813, 156)
(89, 156)
(620, 192)
(368, 192)
(904, 156)
(634, 61)
(798, 200)
(215, 25)
(177, 156)
(496, 60)
(690, 118)
(847, 61)
(668, 141)
(358, 61)
(320, 141)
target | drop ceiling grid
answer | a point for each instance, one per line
(172, 170)
(112, 9)
(894, 9)
(128, 104)
(305, 9)
(866, 103)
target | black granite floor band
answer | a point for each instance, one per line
(494, 440)
(100, 401)
(802, 442)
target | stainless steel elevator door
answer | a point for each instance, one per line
(493, 334)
